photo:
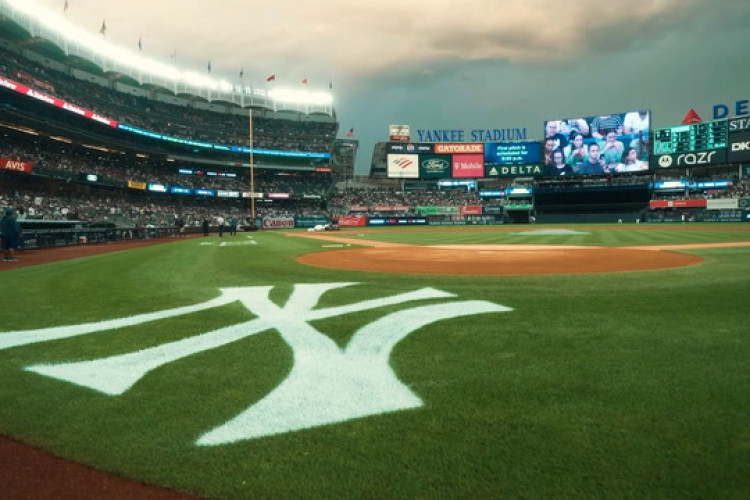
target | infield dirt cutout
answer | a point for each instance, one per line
(496, 260)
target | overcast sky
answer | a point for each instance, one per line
(445, 64)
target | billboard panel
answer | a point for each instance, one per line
(434, 166)
(403, 166)
(512, 153)
(739, 147)
(691, 159)
(468, 166)
(597, 145)
(408, 147)
(513, 170)
(400, 133)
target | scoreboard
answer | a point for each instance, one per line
(690, 138)
(512, 153)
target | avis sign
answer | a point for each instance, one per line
(326, 385)
(691, 159)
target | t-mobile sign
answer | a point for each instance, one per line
(468, 166)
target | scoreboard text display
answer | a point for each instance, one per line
(705, 136)
(512, 153)
(690, 145)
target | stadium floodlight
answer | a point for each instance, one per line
(69, 35)
(300, 97)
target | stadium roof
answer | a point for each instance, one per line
(54, 38)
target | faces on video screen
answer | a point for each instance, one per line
(598, 145)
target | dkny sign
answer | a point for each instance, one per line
(739, 147)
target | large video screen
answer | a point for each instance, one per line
(597, 145)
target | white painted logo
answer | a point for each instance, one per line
(326, 385)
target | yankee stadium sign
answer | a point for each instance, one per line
(471, 135)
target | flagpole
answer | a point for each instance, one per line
(252, 170)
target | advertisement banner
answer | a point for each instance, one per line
(692, 159)
(399, 133)
(391, 208)
(136, 185)
(403, 166)
(460, 148)
(310, 221)
(41, 96)
(743, 203)
(723, 204)
(677, 204)
(352, 221)
(739, 147)
(431, 210)
(278, 223)
(468, 166)
(434, 166)
(396, 221)
(220, 193)
(359, 208)
(470, 210)
(15, 166)
(513, 170)
(492, 210)
(409, 147)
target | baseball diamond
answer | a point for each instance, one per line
(390, 251)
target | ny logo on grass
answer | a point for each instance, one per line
(327, 384)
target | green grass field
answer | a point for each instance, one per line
(615, 385)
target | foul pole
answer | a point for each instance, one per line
(252, 170)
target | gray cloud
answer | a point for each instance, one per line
(447, 64)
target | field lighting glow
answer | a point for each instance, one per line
(55, 22)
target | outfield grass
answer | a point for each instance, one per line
(615, 385)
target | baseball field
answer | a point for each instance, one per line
(477, 362)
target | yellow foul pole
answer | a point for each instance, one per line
(252, 171)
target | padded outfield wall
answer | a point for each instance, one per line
(564, 204)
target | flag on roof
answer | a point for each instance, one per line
(65, 7)
(140, 44)
(350, 133)
(209, 66)
(103, 29)
(330, 85)
(242, 72)
(271, 78)
(304, 81)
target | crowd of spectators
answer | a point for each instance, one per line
(186, 122)
(70, 161)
